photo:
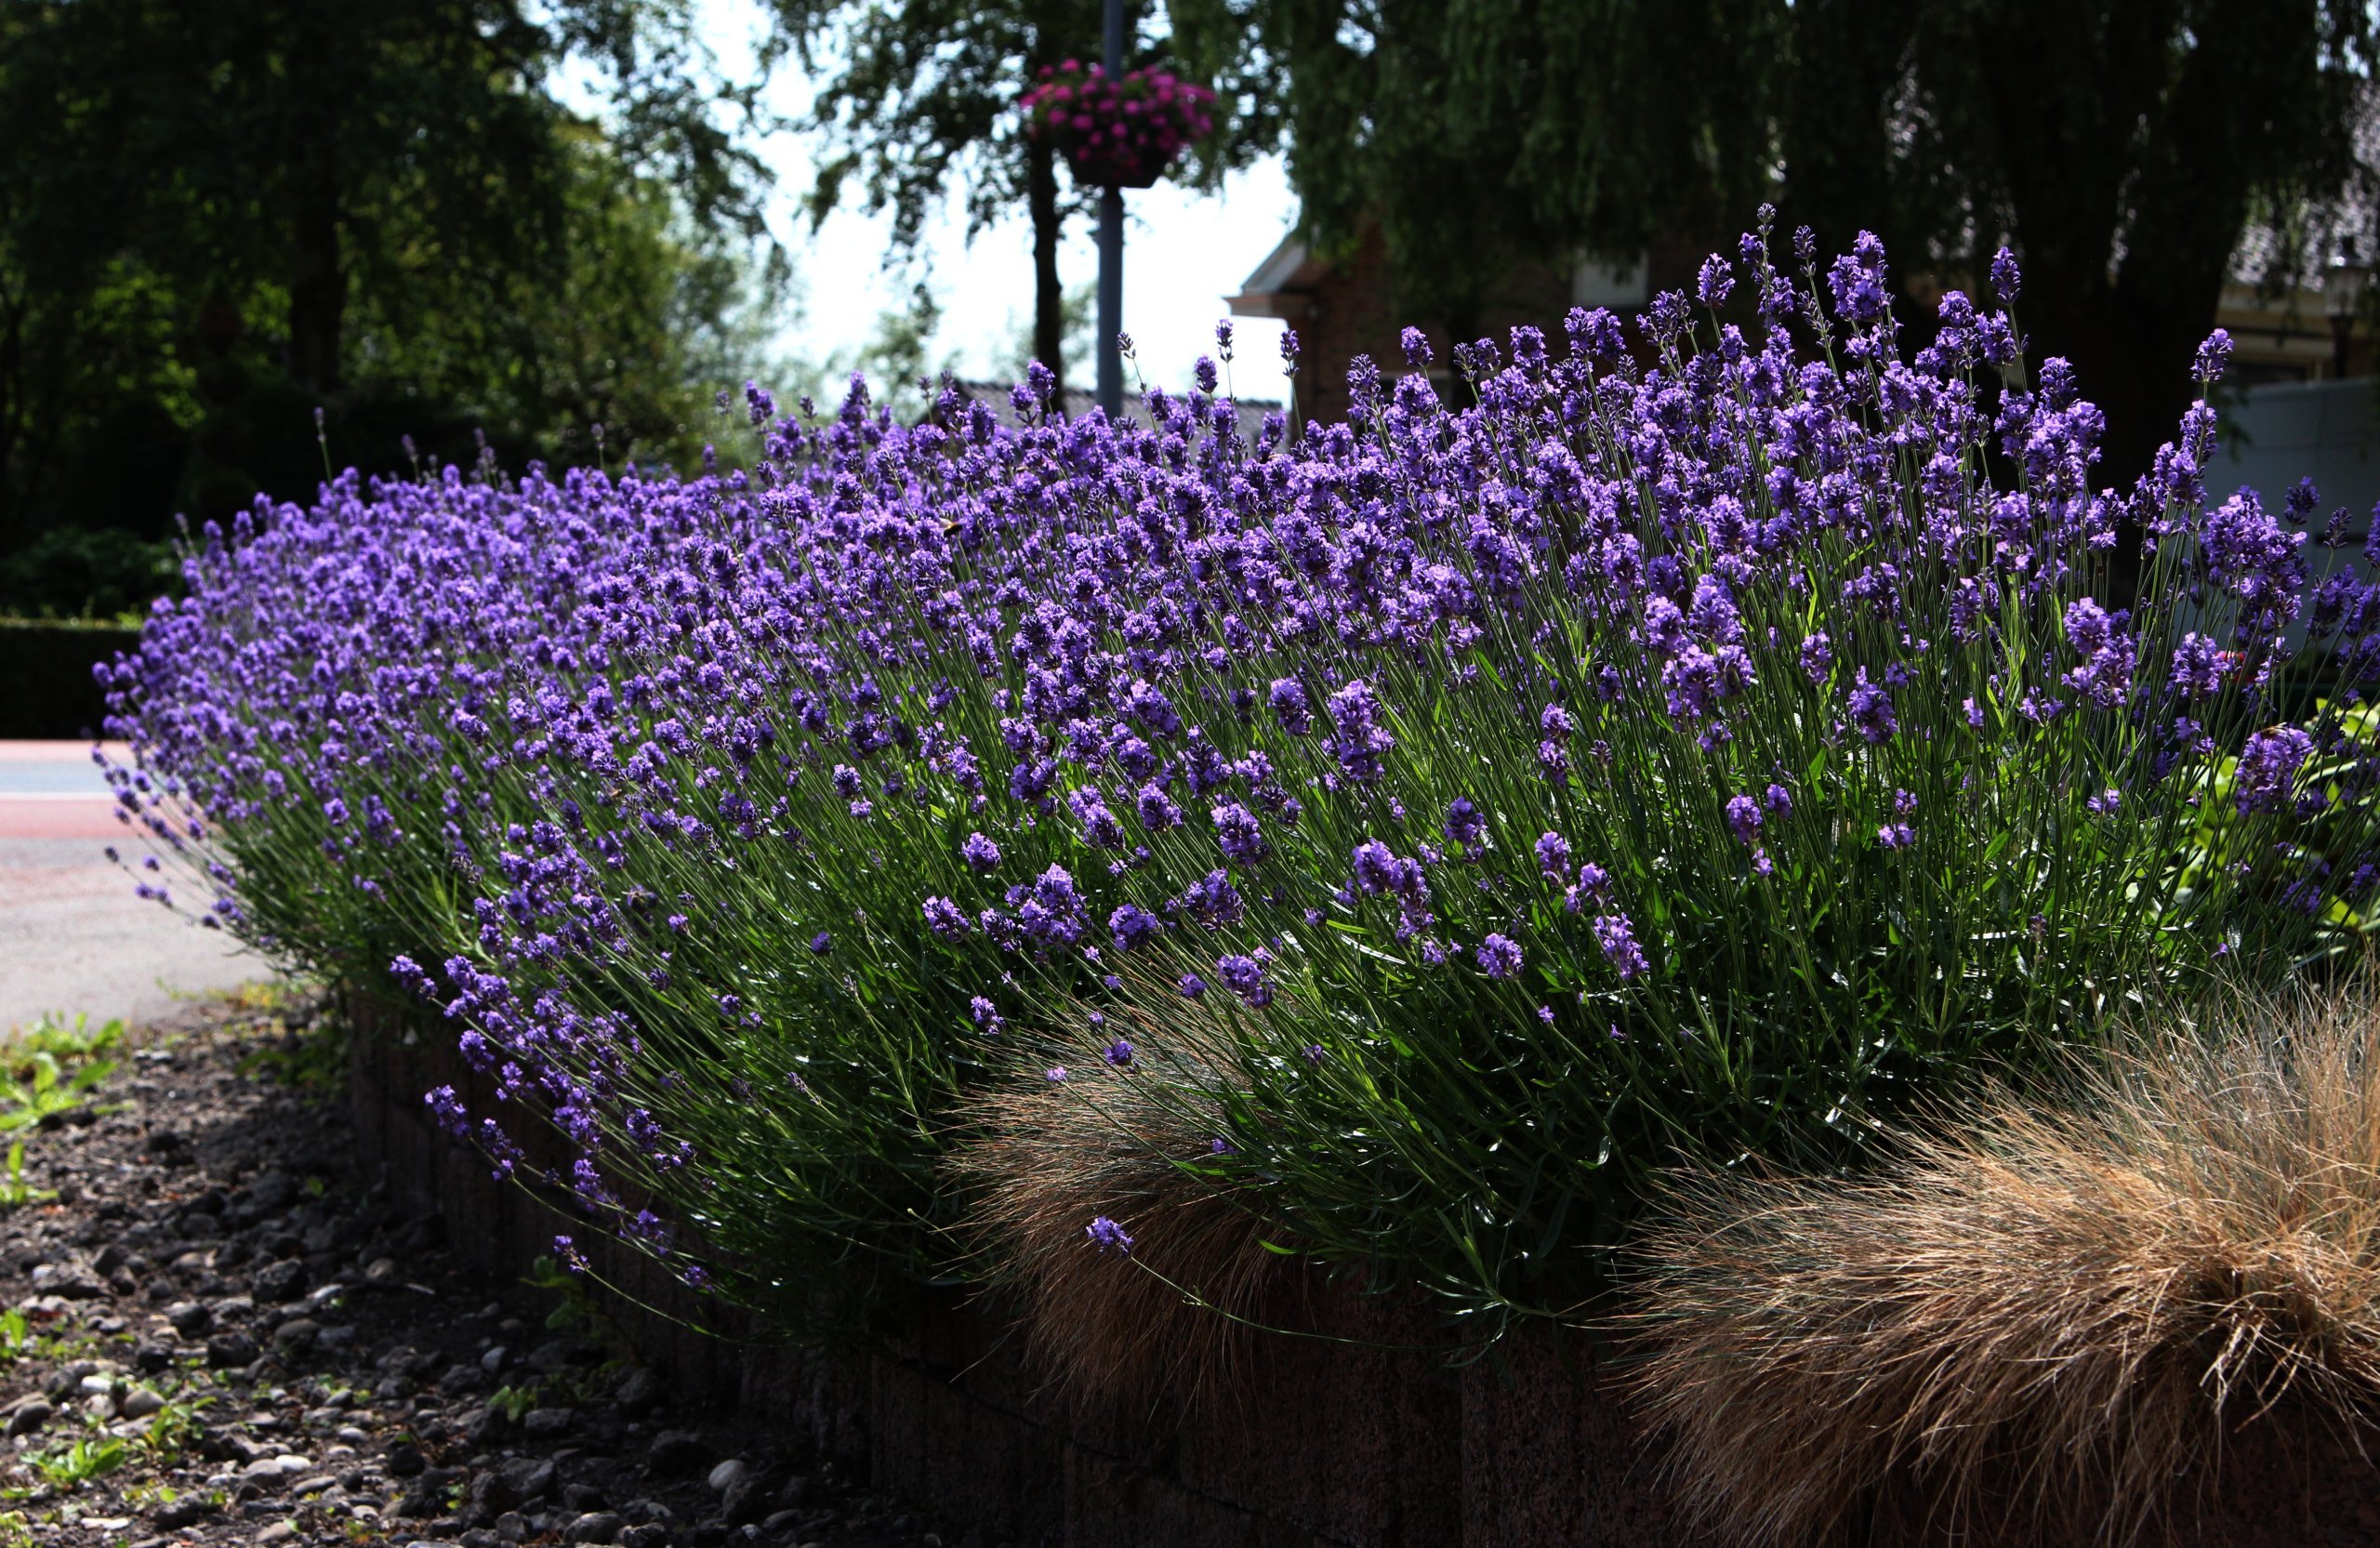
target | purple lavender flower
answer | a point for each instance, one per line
(1133, 925)
(1743, 818)
(1357, 738)
(1119, 1053)
(1191, 985)
(1288, 699)
(1157, 810)
(1109, 1236)
(1817, 656)
(2199, 668)
(1245, 977)
(1552, 856)
(979, 853)
(1214, 901)
(2267, 768)
(946, 920)
(1872, 710)
(1500, 957)
(1237, 833)
(1618, 939)
(1465, 824)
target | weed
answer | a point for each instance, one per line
(513, 1402)
(309, 1059)
(578, 1311)
(74, 1465)
(51, 1069)
(174, 1428)
(14, 1191)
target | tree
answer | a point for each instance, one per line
(215, 213)
(2119, 146)
(918, 102)
(1478, 132)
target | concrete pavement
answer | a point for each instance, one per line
(73, 937)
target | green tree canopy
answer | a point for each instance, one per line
(218, 215)
(2119, 146)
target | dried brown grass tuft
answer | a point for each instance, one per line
(2035, 1318)
(1180, 1319)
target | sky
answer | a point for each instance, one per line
(1183, 253)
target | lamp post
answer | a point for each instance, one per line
(1111, 243)
(2343, 299)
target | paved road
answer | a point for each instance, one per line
(73, 937)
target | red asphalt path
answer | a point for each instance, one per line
(73, 935)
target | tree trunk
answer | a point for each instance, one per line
(317, 278)
(317, 267)
(1048, 296)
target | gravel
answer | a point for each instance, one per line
(275, 1355)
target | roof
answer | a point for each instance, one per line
(1282, 286)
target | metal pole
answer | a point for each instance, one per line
(1111, 246)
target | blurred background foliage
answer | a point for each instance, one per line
(218, 217)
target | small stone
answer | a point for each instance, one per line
(727, 1474)
(780, 1521)
(225, 1351)
(546, 1424)
(639, 1391)
(150, 1358)
(420, 1502)
(649, 1535)
(282, 1281)
(382, 1271)
(675, 1450)
(594, 1527)
(742, 1502)
(191, 1318)
(405, 1460)
(522, 1479)
(139, 1403)
(280, 1531)
(30, 1417)
(493, 1361)
(181, 1513)
(295, 1333)
(511, 1527)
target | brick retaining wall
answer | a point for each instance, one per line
(1350, 1447)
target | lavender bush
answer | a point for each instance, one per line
(1712, 741)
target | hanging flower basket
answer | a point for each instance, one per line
(1116, 133)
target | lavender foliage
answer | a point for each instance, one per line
(1716, 739)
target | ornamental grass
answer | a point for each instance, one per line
(1061, 1189)
(1715, 732)
(2037, 1319)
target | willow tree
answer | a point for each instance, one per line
(2120, 146)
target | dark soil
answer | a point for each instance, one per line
(250, 1347)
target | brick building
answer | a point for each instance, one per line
(2290, 325)
(1342, 308)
